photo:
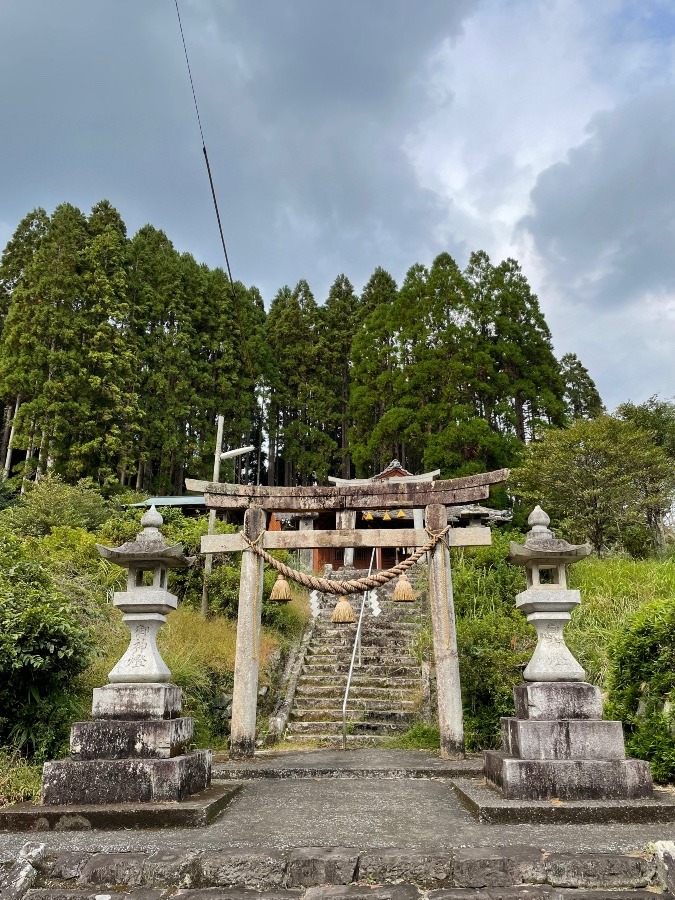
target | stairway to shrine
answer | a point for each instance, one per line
(385, 697)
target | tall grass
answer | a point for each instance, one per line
(611, 590)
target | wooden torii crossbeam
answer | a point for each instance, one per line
(258, 501)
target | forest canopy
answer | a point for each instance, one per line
(117, 353)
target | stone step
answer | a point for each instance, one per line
(367, 656)
(512, 873)
(369, 726)
(360, 691)
(334, 739)
(384, 643)
(367, 640)
(355, 709)
(342, 668)
(321, 679)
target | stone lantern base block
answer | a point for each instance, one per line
(578, 779)
(71, 781)
(563, 739)
(557, 700)
(137, 701)
(121, 739)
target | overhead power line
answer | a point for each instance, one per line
(206, 155)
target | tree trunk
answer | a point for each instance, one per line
(7, 427)
(29, 457)
(10, 442)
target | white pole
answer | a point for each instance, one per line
(208, 561)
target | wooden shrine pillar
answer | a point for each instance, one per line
(247, 654)
(450, 717)
(345, 520)
(306, 557)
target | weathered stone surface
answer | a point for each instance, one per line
(137, 701)
(111, 739)
(71, 781)
(320, 865)
(563, 739)
(396, 865)
(557, 700)
(66, 865)
(578, 779)
(172, 866)
(236, 894)
(255, 869)
(592, 870)
(113, 869)
(71, 823)
(664, 852)
(524, 892)
(362, 892)
(549, 611)
(480, 867)
(19, 877)
(71, 893)
(246, 661)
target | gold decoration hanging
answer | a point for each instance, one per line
(403, 591)
(400, 514)
(343, 614)
(368, 517)
(386, 517)
(281, 592)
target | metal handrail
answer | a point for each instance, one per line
(357, 646)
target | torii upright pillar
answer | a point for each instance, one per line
(247, 654)
(450, 719)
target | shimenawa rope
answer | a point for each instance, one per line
(347, 587)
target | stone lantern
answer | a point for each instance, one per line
(548, 602)
(135, 746)
(558, 745)
(146, 601)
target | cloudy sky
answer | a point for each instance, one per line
(362, 133)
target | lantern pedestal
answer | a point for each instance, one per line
(558, 745)
(134, 749)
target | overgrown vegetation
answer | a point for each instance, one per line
(642, 680)
(60, 635)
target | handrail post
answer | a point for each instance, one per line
(357, 644)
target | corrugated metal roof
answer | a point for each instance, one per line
(196, 500)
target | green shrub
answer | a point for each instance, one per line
(20, 781)
(418, 737)
(42, 646)
(494, 640)
(51, 502)
(642, 679)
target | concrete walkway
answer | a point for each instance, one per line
(378, 811)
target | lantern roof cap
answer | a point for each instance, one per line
(148, 548)
(542, 546)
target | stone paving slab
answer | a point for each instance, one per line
(198, 810)
(308, 867)
(360, 763)
(391, 892)
(489, 806)
(421, 814)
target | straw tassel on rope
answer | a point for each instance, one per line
(343, 614)
(281, 592)
(403, 592)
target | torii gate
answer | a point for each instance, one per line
(258, 502)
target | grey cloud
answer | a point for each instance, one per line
(305, 105)
(604, 220)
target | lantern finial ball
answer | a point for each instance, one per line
(151, 518)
